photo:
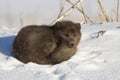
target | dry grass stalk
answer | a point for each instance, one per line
(103, 11)
(113, 16)
(21, 20)
(82, 11)
(66, 13)
(117, 15)
(61, 10)
(101, 17)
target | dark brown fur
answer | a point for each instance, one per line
(47, 44)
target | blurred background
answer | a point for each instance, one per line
(18, 13)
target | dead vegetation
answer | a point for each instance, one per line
(100, 33)
(103, 16)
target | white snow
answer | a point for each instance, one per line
(96, 58)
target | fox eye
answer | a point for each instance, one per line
(67, 35)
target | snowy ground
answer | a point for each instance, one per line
(96, 58)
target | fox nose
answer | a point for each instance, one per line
(71, 45)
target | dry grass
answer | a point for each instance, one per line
(103, 16)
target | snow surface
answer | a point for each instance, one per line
(96, 58)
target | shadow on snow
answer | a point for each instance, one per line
(6, 45)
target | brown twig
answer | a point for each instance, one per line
(118, 27)
(100, 33)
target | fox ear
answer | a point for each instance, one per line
(79, 25)
(58, 24)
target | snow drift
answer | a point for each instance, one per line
(97, 58)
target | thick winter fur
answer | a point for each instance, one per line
(47, 44)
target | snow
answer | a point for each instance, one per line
(97, 58)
